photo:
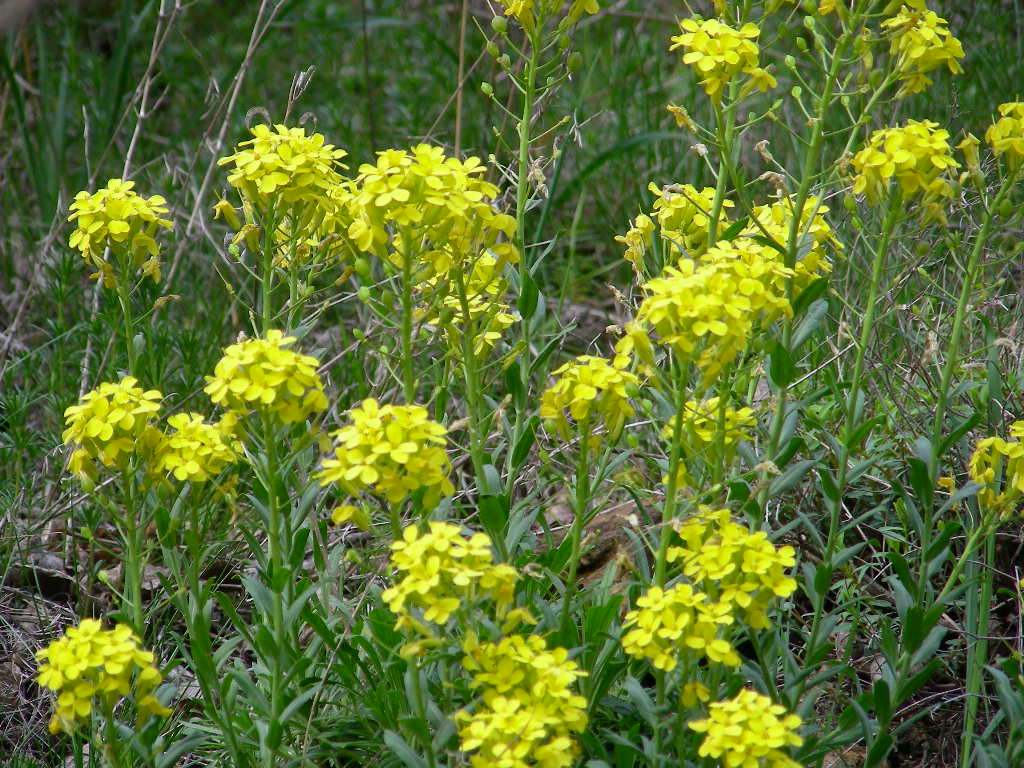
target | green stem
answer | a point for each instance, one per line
(471, 374)
(129, 324)
(421, 713)
(134, 565)
(724, 125)
(978, 625)
(408, 373)
(675, 457)
(853, 395)
(581, 506)
(277, 583)
(959, 319)
(808, 171)
(525, 266)
(267, 282)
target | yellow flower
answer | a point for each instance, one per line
(1006, 135)
(108, 424)
(719, 53)
(490, 318)
(816, 241)
(392, 450)
(528, 710)
(672, 622)
(531, 12)
(118, 218)
(740, 569)
(917, 156)
(284, 163)
(421, 204)
(442, 571)
(749, 730)
(590, 387)
(261, 374)
(195, 451)
(700, 427)
(711, 307)
(998, 465)
(921, 42)
(89, 662)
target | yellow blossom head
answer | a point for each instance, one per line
(392, 450)
(263, 375)
(109, 424)
(718, 53)
(286, 164)
(118, 218)
(917, 156)
(920, 41)
(442, 570)
(998, 465)
(669, 623)
(528, 711)
(749, 730)
(589, 388)
(90, 663)
(1006, 135)
(194, 451)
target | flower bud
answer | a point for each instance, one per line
(492, 49)
(790, 61)
(504, 61)
(575, 61)
(499, 24)
(486, 89)
(364, 294)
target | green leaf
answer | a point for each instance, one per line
(790, 478)
(810, 323)
(525, 442)
(403, 751)
(781, 370)
(878, 751)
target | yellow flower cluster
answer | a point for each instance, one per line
(996, 462)
(282, 163)
(1006, 135)
(681, 619)
(719, 53)
(263, 374)
(123, 220)
(740, 569)
(590, 387)
(195, 451)
(528, 710)
(921, 42)
(529, 12)
(813, 252)
(392, 450)
(420, 201)
(489, 317)
(108, 424)
(89, 661)
(442, 570)
(917, 155)
(716, 303)
(700, 426)
(749, 731)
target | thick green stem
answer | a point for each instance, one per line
(675, 458)
(471, 374)
(953, 350)
(267, 281)
(129, 324)
(525, 265)
(581, 507)
(134, 564)
(277, 583)
(408, 372)
(421, 712)
(853, 394)
(808, 172)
